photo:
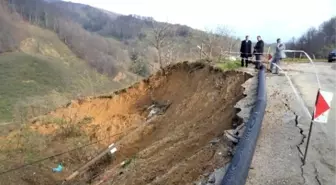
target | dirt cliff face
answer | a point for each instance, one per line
(171, 148)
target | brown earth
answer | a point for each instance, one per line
(172, 148)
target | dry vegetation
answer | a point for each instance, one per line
(107, 41)
(39, 72)
(10, 34)
(54, 39)
(316, 42)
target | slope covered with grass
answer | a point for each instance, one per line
(22, 76)
(44, 74)
(42, 83)
(40, 71)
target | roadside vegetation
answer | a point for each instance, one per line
(317, 42)
(228, 65)
(108, 41)
(303, 60)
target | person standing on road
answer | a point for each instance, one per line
(278, 56)
(245, 51)
(258, 51)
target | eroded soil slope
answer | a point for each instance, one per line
(170, 148)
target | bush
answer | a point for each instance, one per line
(229, 65)
(183, 31)
(139, 67)
(67, 130)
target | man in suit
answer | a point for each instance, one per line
(245, 51)
(258, 51)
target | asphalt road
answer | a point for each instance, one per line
(276, 159)
(321, 163)
(282, 140)
(304, 78)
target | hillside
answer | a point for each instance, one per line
(75, 50)
(39, 72)
(52, 52)
(108, 41)
(317, 42)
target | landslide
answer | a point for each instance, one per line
(174, 147)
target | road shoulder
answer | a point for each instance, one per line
(277, 159)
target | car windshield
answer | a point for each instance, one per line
(333, 51)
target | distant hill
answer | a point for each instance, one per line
(66, 50)
(112, 39)
(39, 72)
(317, 42)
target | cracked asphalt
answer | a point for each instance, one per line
(321, 163)
(282, 140)
(276, 159)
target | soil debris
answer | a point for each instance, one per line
(192, 103)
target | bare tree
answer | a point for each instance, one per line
(10, 34)
(160, 32)
(209, 38)
(226, 41)
(318, 42)
(218, 40)
(170, 53)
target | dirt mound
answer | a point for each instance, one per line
(170, 148)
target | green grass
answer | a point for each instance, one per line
(228, 65)
(22, 76)
(303, 60)
(38, 81)
(44, 75)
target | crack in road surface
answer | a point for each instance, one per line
(321, 147)
(303, 136)
(316, 175)
(302, 140)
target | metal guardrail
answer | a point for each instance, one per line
(241, 161)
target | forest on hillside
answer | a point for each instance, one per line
(317, 42)
(110, 42)
(53, 51)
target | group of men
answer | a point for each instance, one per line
(258, 52)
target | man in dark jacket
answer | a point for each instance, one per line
(258, 51)
(245, 51)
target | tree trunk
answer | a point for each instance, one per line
(46, 19)
(160, 58)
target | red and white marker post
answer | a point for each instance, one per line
(320, 114)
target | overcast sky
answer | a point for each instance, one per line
(269, 18)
